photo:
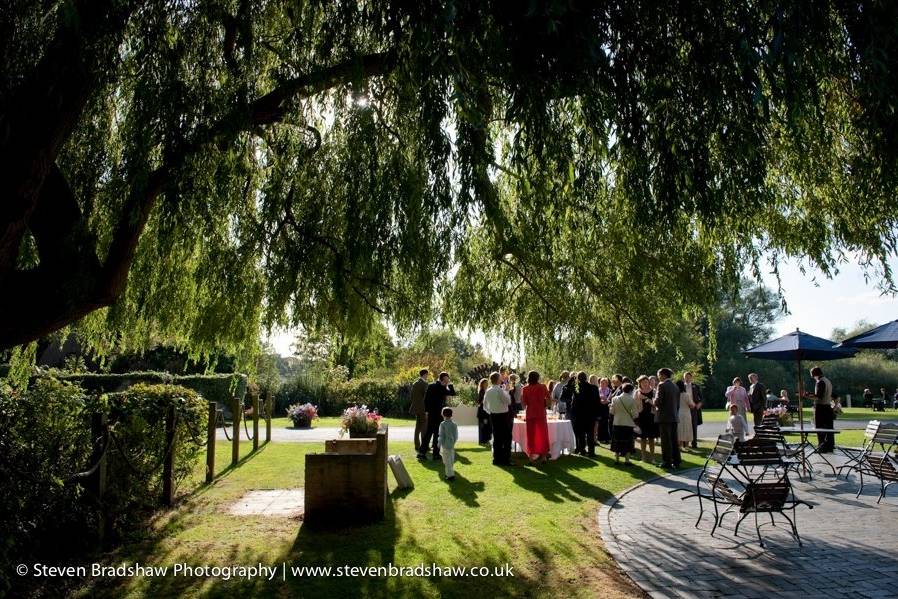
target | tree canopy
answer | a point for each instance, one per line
(198, 170)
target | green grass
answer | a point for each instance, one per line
(542, 521)
(859, 414)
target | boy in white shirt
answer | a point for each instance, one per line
(448, 436)
(737, 424)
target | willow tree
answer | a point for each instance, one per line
(194, 170)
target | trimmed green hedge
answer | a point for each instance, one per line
(219, 388)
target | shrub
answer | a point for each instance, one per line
(45, 440)
(137, 419)
(219, 388)
(44, 514)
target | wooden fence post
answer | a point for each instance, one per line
(236, 415)
(99, 433)
(269, 408)
(210, 441)
(168, 471)
(255, 420)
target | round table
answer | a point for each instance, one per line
(561, 436)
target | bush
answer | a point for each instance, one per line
(46, 516)
(137, 418)
(45, 439)
(219, 388)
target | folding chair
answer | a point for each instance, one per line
(771, 497)
(856, 454)
(879, 465)
(719, 492)
(790, 455)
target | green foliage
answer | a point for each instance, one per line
(333, 396)
(44, 515)
(138, 424)
(219, 388)
(578, 168)
(45, 440)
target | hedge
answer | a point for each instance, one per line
(219, 388)
(45, 516)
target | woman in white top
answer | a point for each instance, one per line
(684, 424)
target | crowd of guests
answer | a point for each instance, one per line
(603, 410)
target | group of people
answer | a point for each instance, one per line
(884, 400)
(755, 399)
(612, 410)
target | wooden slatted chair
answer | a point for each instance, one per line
(879, 465)
(770, 421)
(883, 468)
(718, 491)
(774, 496)
(790, 455)
(856, 454)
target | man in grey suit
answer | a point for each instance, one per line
(419, 389)
(667, 404)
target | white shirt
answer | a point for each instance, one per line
(496, 400)
(556, 391)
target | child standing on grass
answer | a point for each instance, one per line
(737, 424)
(448, 437)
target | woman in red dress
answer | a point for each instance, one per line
(536, 399)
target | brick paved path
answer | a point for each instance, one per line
(850, 545)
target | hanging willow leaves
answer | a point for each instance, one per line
(195, 171)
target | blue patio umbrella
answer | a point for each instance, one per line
(882, 337)
(800, 346)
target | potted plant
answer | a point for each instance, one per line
(302, 415)
(360, 422)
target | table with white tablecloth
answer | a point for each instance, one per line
(561, 436)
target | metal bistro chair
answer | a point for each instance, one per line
(771, 497)
(856, 454)
(880, 465)
(770, 421)
(790, 454)
(719, 492)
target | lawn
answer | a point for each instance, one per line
(541, 521)
(860, 414)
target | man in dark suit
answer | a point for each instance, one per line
(586, 408)
(419, 390)
(757, 396)
(667, 403)
(434, 402)
(695, 392)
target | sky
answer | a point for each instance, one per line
(816, 304)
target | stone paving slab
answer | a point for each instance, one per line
(850, 545)
(280, 503)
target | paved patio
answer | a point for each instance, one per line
(850, 545)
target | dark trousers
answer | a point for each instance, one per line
(420, 430)
(584, 433)
(603, 429)
(824, 418)
(670, 448)
(759, 416)
(694, 415)
(501, 425)
(484, 428)
(432, 433)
